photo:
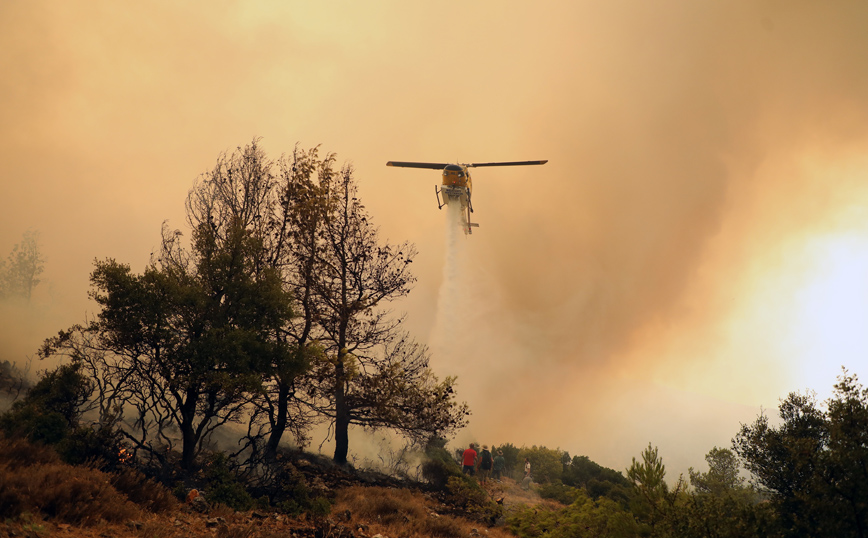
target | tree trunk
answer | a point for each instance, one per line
(188, 447)
(342, 417)
(189, 435)
(280, 422)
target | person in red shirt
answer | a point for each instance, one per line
(468, 460)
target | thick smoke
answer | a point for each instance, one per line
(639, 287)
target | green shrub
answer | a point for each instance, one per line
(51, 409)
(439, 465)
(559, 492)
(546, 464)
(102, 444)
(584, 517)
(232, 494)
(27, 420)
(223, 487)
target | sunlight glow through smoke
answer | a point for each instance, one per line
(829, 324)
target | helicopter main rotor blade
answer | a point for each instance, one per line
(514, 163)
(433, 166)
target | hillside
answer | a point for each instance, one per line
(42, 496)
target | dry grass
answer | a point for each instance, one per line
(33, 480)
(75, 495)
(144, 492)
(18, 453)
(403, 513)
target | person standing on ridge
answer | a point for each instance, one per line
(499, 464)
(525, 482)
(484, 464)
(468, 460)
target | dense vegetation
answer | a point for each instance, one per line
(809, 477)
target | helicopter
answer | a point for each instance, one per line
(457, 185)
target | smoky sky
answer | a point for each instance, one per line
(633, 289)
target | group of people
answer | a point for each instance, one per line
(484, 464)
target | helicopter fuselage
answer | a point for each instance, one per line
(456, 189)
(457, 184)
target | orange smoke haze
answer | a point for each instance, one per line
(695, 249)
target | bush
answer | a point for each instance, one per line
(584, 517)
(466, 492)
(559, 492)
(439, 466)
(546, 464)
(603, 488)
(19, 453)
(292, 494)
(145, 492)
(46, 486)
(28, 421)
(51, 409)
(102, 444)
(222, 486)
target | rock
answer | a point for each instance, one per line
(319, 486)
(200, 505)
(215, 522)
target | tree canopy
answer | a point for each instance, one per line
(19, 273)
(814, 465)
